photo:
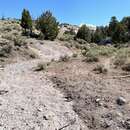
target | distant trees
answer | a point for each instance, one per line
(99, 34)
(48, 25)
(117, 31)
(26, 21)
(84, 33)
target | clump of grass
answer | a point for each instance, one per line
(100, 69)
(75, 55)
(19, 41)
(66, 37)
(64, 58)
(122, 56)
(42, 66)
(91, 57)
(5, 50)
(126, 67)
(101, 50)
(93, 53)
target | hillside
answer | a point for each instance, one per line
(64, 84)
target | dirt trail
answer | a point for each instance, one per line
(28, 101)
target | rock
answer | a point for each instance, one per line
(121, 101)
(99, 102)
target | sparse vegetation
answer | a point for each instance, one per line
(41, 66)
(126, 66)
(92, 54)
(5, 50)
(75, 55)
(100, 69)
(122, 56)
(64, 58)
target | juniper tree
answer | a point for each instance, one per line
(26, 20)
(84, 33)
(48, 25)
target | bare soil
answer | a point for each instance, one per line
(94, 96)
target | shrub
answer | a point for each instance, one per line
(64, 58)
(98, 50)
(91, 58)
(126, 67)
(100, 69)
(5, 50)
(121, 56)
(19, 41)
(66, 37)
(48, 25)
(41, 66)
(75, 55)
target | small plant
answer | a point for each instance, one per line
(100, 69)
(19, 41)
(64, 58)
(126, 67)
(122, 57)
(91, 57)
(5, 50)
(41, 67)
(75, 55)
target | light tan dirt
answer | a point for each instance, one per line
(94, 95)
(28, 100)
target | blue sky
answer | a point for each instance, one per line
(97, 12)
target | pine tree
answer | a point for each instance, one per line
(48, 25)
(26, 21)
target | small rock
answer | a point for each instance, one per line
(121, 101)
(2, 92)
(99, 102)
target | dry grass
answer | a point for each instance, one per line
(100, 69)
(64, 58)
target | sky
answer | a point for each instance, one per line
(96, 12)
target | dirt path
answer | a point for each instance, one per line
(28, 101)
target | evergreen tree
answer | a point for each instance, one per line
(26, 21)
(84, 33)
(48, 25)
(99, 34)
(112, 25)
(119, 34)
(126, 22)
